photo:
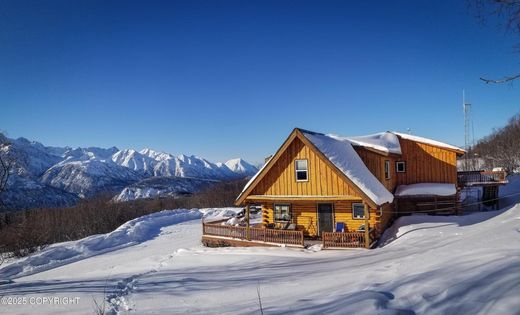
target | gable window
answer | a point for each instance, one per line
(358, 211)
(387, 169)
(282, 212)
(302, 172)
(400, 167)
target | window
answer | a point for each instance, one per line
(400, 167)
(301, 170)
(358, 211)
(387, 169)
(282, 212)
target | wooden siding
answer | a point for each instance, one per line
(426, 163)
(322, 180)
(305, 216)
(376, 164)
(384, 217)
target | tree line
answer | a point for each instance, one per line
(499, 149)
(24, 232)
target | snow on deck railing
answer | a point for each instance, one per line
(343, 239)
(469, 178)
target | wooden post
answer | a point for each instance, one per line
(367, 234)
(248, 231)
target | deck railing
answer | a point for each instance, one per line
(470, 178)
(343, 239)
(288, 237)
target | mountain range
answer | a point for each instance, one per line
(45, 176)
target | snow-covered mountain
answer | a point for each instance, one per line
(54, 176)
(90, 177)
(239, 166)
(150, 162)
(134, 160)
(28, 193)
(153, 187)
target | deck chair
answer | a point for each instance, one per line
(340, 227)
(291, 227)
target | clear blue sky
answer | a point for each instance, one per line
(223, 79)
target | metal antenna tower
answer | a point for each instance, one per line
(467, 122)
(466, 107)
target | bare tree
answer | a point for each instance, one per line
(6, 165)
(502, 147)
(507, 11)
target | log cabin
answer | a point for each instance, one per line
(342, 190)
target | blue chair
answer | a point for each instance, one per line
(340, 227)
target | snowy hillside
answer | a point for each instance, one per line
(31, 193)
(87, 178)
(155, 265)
(51, 176)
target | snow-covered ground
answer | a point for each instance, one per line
(155, 264)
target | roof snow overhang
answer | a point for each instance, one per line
(431, 142)
(298, 133)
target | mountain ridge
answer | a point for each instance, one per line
(60, 176)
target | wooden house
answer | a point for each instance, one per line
(342, 190)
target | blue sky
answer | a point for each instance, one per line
(222, 79)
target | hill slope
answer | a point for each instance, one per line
(155, 264)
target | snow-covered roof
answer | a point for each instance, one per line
(433, 189)
(427, 141)
(345, 158)
(389, 142)
(339, 150)
(383, 141)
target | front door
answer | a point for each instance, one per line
(325, 217)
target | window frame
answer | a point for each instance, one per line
(397, 163)
(306, 170)
(282, 204)
(363, 217)
(388, 174)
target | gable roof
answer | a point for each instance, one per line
(339, 152)
(341, 156)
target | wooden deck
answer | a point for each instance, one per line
(481, 178)
(344, 240)
(258, 235)
(216, 235)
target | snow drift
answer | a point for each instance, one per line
(132, 232)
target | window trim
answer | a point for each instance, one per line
(403, 163)
(362, 218)
(282, 204)
(296, 170)
(387, 162)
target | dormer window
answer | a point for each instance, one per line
(387, 169)
(302, 171)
